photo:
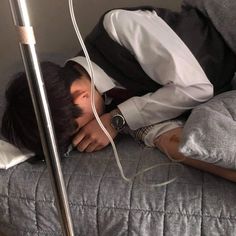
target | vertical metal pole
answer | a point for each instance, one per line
(27, 46)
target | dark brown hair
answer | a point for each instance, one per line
(19, 124)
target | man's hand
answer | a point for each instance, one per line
(91, 137)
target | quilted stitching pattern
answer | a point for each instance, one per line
(103, 204)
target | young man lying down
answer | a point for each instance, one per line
(151, 67)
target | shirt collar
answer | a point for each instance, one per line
(102, 81)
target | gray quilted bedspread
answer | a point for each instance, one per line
(102, 203)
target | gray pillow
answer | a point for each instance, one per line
(221, 13)
(210, 132)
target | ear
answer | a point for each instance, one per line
(80, 95)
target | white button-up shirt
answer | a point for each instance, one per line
(165, 58)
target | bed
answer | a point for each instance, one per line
(102, 203)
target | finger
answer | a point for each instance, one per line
(91, 147)
(78, 138)
(98, 148)
(83, 144)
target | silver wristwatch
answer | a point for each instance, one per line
(117, 120)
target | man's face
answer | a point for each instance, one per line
(81, 93)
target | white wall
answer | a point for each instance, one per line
(54, 33)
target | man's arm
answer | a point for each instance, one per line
(164, 58)
(169, 142)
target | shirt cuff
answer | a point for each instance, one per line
(131, 114)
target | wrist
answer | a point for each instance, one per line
(106, 120)
(118, 121)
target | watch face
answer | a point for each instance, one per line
(118, 121)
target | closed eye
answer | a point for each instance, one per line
(76, 94)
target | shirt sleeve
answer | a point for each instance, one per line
(166, 59)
